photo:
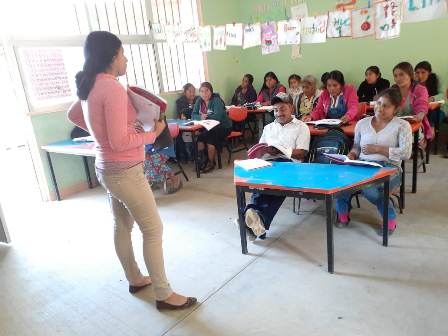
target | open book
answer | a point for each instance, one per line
(208, 124)
(251, 164)
(149, 107)
(343, 159)
(326, 122)
(261, 149)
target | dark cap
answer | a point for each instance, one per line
(281, 97)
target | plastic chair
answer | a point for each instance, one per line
(174, 132)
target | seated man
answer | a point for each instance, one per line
(288, 140)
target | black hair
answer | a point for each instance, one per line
(269, 74)
(337, 76)
(207, 85)
(374, 69)
(294, 76)
(250, 78)
(100, 48)
(324, 78)
(187, 86)
(432, 83)
(393, 94)
(405, 67)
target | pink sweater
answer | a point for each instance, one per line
(350, 99)
(110, 118)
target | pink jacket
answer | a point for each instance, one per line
(420, 103)
(109, 116)
(350, 99)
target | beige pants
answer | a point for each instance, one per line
(131, 198)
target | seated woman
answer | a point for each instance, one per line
(245, 93)
(339, 101)
(427, 78)
(307, 100)
(159, 173)
(185, 103)
(323, 80)
(385, 139)
(372, 85)
(271, 86)
(414, 98)
(295, 87)
(211, 106)
(184, 107)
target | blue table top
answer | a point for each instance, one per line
(311, 177)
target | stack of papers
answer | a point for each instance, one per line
(251, 164)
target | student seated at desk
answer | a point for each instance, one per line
(307, 100)
(245, 93)
(323, 81)
(339, 101)
(427, 78)
(385, 139)
(414, 99)
(211, 106)
(295, 87)
(293, 135)
(271, 86)
(184, 108)
(372, 85)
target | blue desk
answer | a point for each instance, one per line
(69, 147)
(313, 181)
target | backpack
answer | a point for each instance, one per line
(334, 142)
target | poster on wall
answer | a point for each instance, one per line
(288, 32)
(190, 34)
(363, 22)
(387, 19)
(339, 24)
(205, 38)
(269, 38)
(234, 34)
(424, 10)
(252, 35)
(314, 29)
(219, 38)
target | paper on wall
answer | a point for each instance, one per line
(288, 32)
(314, 29)
(234, 34)
(363, 22)
(388, 19)
(269, 38)
(339, 24)
(219, 38)
(252, 35)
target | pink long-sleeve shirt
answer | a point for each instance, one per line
(109, 117)
(350, 99)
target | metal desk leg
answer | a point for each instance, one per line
(241, 201)
(86, 167)
(414, 162)
(386, 212)
(330, 244)
(53, 177)
(403, 181)
(196, 154)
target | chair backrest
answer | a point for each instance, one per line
(362, 110)
(334, 142)
(238, 114)
(174, 130)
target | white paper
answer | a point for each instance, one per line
(344, 159)
(208, 124)
(363, 22)
(299, 12)
(288, 32)
(339, 24)
(314, 29)
(205, 38)
(158, 31)
(234, 34)
(251, 164)
(219, 38)
(387, 19)
(269, 38)
(252, 35)
(331, 122)
(424, 10)
(147, 111)
(190, 34)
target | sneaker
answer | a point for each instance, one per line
(253, 222)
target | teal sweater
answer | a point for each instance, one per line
(217, 108)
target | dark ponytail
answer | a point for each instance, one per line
(432, 83)
(99, 50)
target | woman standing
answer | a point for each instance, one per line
(110, 117)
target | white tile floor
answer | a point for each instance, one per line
(61, 276)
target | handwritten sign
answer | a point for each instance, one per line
(363, 22)
(205, 38)
(190, 34)
(219, 38)
(424, 10)
(339, 24)
(234, 34)
(288, 32)
(388, 19)
(252, 35)
(314, 29)
(269, 38)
